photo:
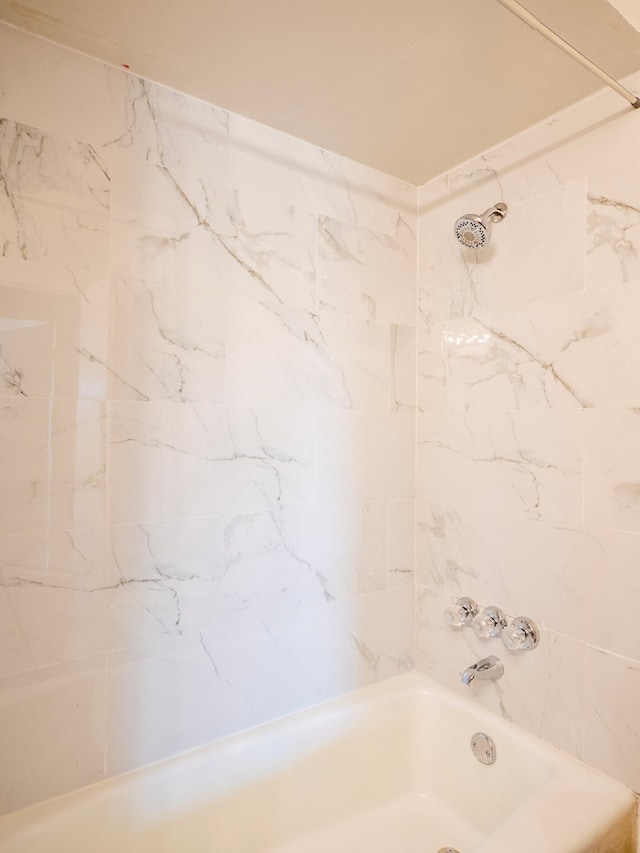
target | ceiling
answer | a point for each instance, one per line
(411, 87)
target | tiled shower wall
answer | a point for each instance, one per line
(529, 428)
(207, 432)
(207, 368)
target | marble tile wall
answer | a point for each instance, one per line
(208, 357)
(528, 461)
(207, 422)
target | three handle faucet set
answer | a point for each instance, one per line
(520, 635)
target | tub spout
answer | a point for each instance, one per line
(488, 668)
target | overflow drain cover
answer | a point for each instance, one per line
(483, 748)
(447, 850)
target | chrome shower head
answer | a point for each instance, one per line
(473, 231)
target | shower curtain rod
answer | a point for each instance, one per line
(538, 26)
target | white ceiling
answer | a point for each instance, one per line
(410, 87)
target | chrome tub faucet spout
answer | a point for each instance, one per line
(489, 668)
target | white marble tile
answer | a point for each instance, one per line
(365, 639)
(56, 592)
(431, 569)
(109, 106)
(523, 566)
(94, 113)
(54, 204)
(348, 548)
(54, 333)
(612, 468)
(282, 167)
(207, 686)
(612, 734)
(179, 577)
(268, 566)
(193, 575)
(566, 578)
(168, 697)
(401, 545)
(521, 462)
(536, 253)
(172, 461)
(563, 709)
(185, 577)
(553, 153)
(48, 278)
(270, 662)
(364, 456)
(52, 464)
(610, 567)
(27, 338)
(71, 593)
(172, 129)
(403, 368)
(281, 356)
(366, 275)
(431, 368)
(167, 342)
(582, 351)
(170, 226)
(45, 624)
(591, 345)
(168, 577)
(541, 690)
(613, 226)
(127, 340)
(443, 274)
(51, 731)
(484, 370)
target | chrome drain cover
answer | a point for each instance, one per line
(483, 748)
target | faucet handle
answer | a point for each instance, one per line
(461, 613)
(490, 623)
(521, 635)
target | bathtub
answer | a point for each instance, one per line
(388, 769)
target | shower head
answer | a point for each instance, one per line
(473, 231)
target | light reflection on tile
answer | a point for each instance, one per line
(53, 459)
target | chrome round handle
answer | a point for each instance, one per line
(490, 623)
(461, 613)
(521, 635)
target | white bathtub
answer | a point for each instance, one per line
(388, 769)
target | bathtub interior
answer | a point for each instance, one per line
(387, 766)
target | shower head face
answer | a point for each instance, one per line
(471, 232)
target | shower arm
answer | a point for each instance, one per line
(526, 16)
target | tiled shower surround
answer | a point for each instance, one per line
(528, 439)
(207, 431)
(208, 443)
